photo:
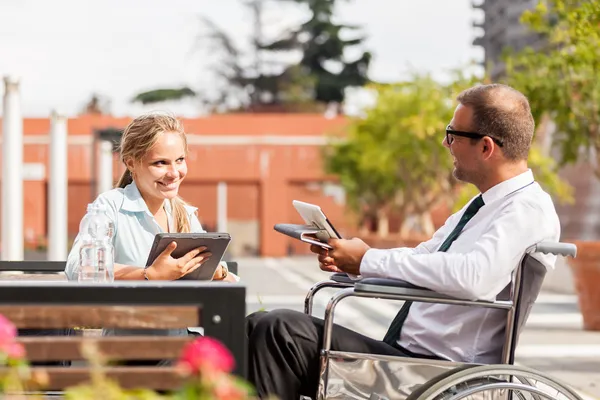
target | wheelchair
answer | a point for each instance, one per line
(345, 375)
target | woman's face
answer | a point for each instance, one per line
(163, 168)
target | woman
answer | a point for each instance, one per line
(146, 202)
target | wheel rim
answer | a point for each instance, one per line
(527, 377)
(502, 385)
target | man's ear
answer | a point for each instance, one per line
(488, 148)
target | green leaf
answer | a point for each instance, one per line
(160, 95)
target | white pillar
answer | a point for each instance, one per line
(12, 173)
(57, 200)
(105, 166)
(222, 207)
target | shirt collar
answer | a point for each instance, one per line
(134, 202)
(507, 187)
(133, 199)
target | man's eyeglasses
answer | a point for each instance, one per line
(450, 133)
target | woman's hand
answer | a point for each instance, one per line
(223, 274)
(167, 268)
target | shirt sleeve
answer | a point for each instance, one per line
(481, 273)
(72, 265)
(372, 258)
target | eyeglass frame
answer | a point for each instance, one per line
(470, 135)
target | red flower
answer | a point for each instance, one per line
(207, 355)
(15, 350)
(8, 332)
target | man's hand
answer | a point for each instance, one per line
(345, 256)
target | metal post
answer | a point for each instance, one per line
(12, 173)
(222, 207)
(57, 201)
(105, 167)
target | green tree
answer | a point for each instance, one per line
(324, 51)
(255, 80)
(562, 81)
(393, 160)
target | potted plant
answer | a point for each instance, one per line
(586, 275)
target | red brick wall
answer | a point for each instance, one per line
(261, 180)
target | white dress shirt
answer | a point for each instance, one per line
(478, 266)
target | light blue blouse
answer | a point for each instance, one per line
(135, 228)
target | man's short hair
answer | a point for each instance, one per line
(503, 113)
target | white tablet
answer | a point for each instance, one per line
(313, 215)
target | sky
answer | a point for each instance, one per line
(65, 50)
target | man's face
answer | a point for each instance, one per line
(467, 167)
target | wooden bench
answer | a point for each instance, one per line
(217, 307)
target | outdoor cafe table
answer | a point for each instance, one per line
(222, 306)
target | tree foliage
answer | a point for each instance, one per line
(160, 95)
(561, 81)
(393, 161)
(324, 52)
(255, 80)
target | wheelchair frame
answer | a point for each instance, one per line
(358, 376)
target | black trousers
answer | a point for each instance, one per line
(283, 351)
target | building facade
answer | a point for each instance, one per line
(502, 29)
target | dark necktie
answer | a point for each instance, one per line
(393, 333)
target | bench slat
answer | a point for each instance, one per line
(142, 317)
(54, 348)
(157, 378)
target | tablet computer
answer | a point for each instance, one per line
(216, 243)
(313, 215)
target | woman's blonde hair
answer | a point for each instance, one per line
(138, 138)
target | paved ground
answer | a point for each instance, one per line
(553, 340)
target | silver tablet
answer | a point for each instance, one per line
(216, 243)
(313, 215)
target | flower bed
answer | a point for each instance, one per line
(205, 363)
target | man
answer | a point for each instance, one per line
(471, 257)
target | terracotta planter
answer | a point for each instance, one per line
(586, 275)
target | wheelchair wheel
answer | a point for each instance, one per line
(494, 382)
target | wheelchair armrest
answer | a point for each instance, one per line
(389, 288)
(342, 277)
(557, 248)
(374, 286)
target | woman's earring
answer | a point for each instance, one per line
(132, 175)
